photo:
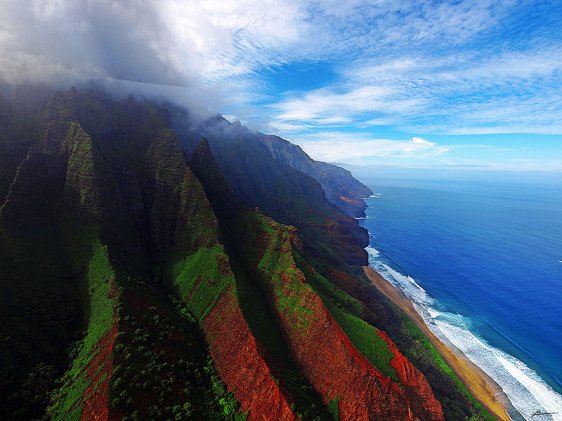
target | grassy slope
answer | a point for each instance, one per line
(347, 312)
(69, 399)
(198, 279)
(422, 341)
(345, 309)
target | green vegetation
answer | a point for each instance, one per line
(328, 290)
(117, 166)
(418, 336)
(162, 367)
(201, 277)
(100, 275)
(365, 338)
(80, 161)
(225, 400)
(270, 253)
(347, 311)
(334, 409)
(100, 279)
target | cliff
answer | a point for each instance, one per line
(147, 274)
(293, 196)
(341, 189)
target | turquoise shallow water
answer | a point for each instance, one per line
(480, 257)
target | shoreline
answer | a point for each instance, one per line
(473, 377)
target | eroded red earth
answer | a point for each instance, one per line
(96, 395)
(238, 360)
(417, 388)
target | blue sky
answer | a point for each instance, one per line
(438, 84)
(449, 83)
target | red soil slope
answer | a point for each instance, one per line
(332, 364)
(96, 396)
(238, 360)
(417, 387)
(337, 369)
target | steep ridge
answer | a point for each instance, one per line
(279, 190)
(41, 308)
(417, 388)
(341, 189)
(130, 210)
(206, 283)
(174, 295)
(314, 337)
(328, 358)
(240, 363)
(366, 337)
(252, 297)
(183, 232)
(199, 270)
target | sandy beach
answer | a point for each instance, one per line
(478, 382)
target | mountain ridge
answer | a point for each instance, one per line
(168, 277)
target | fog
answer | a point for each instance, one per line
(150, 47)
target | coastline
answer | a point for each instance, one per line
(476, 380)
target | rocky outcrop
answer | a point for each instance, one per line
(181, 218)
(81, 188)
(220, 192)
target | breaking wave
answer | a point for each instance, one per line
(526, 390)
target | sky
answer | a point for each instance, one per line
(446, 84)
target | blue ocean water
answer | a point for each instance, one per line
(480, 255)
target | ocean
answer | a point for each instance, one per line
(480, 254)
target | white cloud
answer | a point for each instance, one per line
(345, 105)
(208, 50)
(513, 92)
(421, 141)
(278, 127)
(349, 147)
(404, 64)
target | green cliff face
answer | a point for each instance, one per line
(287, 194)
(341, 189)
(137, 283)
